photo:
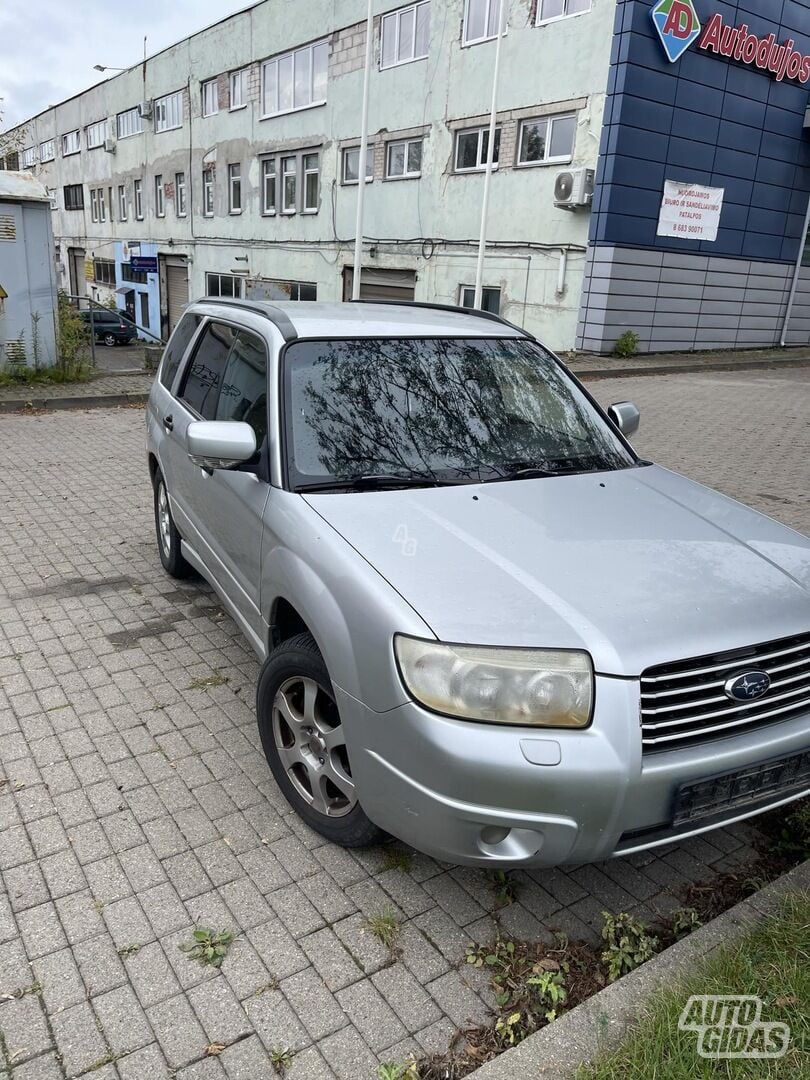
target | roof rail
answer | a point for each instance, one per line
(277, 317)
(453, 308)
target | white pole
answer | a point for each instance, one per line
(361, 165)
(482, 244)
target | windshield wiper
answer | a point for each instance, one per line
(542, 468)
(378, 482)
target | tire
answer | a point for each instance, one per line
(302, 737)
(110, 340)
(168, 538)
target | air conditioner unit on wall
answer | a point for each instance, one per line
(145, 110)
(574, 188)
(109, 146)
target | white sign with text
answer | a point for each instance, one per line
(690, 211)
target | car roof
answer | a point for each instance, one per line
(319, 319)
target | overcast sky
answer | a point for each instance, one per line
(48, 47)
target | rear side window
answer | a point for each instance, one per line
(244, 385)
(205, 372)
(176, 348)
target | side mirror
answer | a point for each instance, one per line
(220, 444)
(626, 416)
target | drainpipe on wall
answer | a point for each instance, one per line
(563, 273)
(795, 284)
(361, 164)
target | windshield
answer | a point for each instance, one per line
(443, 410)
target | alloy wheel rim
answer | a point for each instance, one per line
(309, 741)
(164, 520)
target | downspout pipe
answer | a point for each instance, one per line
(796, 272)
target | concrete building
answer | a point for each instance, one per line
(228, 165)
(27, 286)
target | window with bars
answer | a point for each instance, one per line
(403, 159)
(405, 35)
(210, 97)
(128, 123)
(296, 80)
(74, 197)
(71, 143)
(168, 112)
(95, 134)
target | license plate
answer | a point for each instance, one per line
(730, 791)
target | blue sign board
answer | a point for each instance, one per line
(144, 264)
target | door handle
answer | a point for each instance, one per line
(168, 423)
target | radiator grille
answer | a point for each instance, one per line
(685, 702)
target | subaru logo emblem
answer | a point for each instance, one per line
(748, 687)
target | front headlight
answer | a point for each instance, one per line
(539, 687)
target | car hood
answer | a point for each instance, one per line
(638, 567)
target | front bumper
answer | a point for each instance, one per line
(482, 794)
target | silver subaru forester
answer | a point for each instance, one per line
(486, 626)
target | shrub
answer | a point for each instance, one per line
(627, 345)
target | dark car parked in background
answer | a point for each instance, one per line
(109, 326)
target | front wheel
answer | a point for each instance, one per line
(168, 537)
(110, 340)
(305, 745)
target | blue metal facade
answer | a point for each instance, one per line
(709, 120)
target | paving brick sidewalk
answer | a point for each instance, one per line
(136, 804)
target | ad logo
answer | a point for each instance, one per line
(731, 1028)
(677, 24)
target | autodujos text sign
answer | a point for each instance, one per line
(690, 211)
(679, 26)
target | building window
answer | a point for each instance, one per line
(180, 194)
(282, 290)
(234, 189)
(549, 10)
(403, 159)
(47, 150)
(104, 271)
(311, 168)
(351, 164)
(137, 189)
(123, 210)
(208, 192)
(95, 134)
(210, 97)
(102, 206)
(481, 19)
(169, 112)
(70, 143)
(405, 35)
(51, 192)
(490, 298)
(549, 139)
(128, 123)
(160, 197)
(296, 80)
(29, 157)
(269, 186)
(472, 145)
(98, 208)
(144, 297)
(94, 204)
(224, 285)
(239, 88)
(74, 197)
(135, 277)
(289, 184)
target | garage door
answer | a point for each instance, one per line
(176, 293)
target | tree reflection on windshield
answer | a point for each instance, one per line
(463, 407)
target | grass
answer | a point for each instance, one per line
(384, 926)
(208, 947)
(206, 683)
(281, 1059)
(396, 858)
(773, 963)
(25, 376)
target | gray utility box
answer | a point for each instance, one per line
(28, 303)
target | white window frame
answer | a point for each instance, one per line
(54, 197)
(238, 79)
(208, 192)
(540, 21)
(560, 159)
(168, 111)
(209, 90)
(392, 23)
(234, 186)
(102, 207)
(71, 139)
(407, 143)
(487, 36)
(107, 268)
(284, 172)
(95, 135)
(160, 196)
(269, 182)
(128, 123)
(233, 278)
(47, 150)
(94, 205)
(462, 289)
(123, 208)
(180, 204)
(480, 156)
(137, 199)
(29, 157)
(270, 79)
(345, 157)
(306, 172)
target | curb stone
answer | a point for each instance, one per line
(603, 1021)
(99, 401)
